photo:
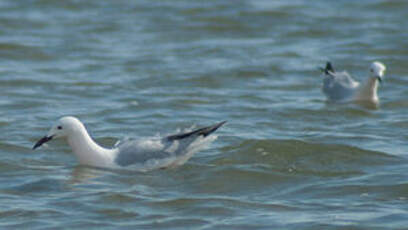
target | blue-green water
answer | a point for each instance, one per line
(285, 160)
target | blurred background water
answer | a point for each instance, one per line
(286, 159)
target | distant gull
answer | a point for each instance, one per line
(142, 154)
(341, 87)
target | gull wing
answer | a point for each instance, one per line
(338, 86)
(160, 152)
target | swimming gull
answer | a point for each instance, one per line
(142, 154)
(341, 87)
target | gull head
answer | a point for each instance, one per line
(64, 127)
(377, 70)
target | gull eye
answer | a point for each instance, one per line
(59, 127)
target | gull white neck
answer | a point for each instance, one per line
(368, 91)
(87, 151)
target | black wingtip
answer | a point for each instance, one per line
(329, 68)
(199, 132)
(207, 131)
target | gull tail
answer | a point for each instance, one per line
(328, 69)
(198, 132)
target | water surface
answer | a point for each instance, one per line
(286, 159)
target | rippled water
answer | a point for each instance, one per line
(286, 159)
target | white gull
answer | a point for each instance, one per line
(142, 154)
(341, 87)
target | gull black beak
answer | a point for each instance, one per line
(379, 79)
(42, 141)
